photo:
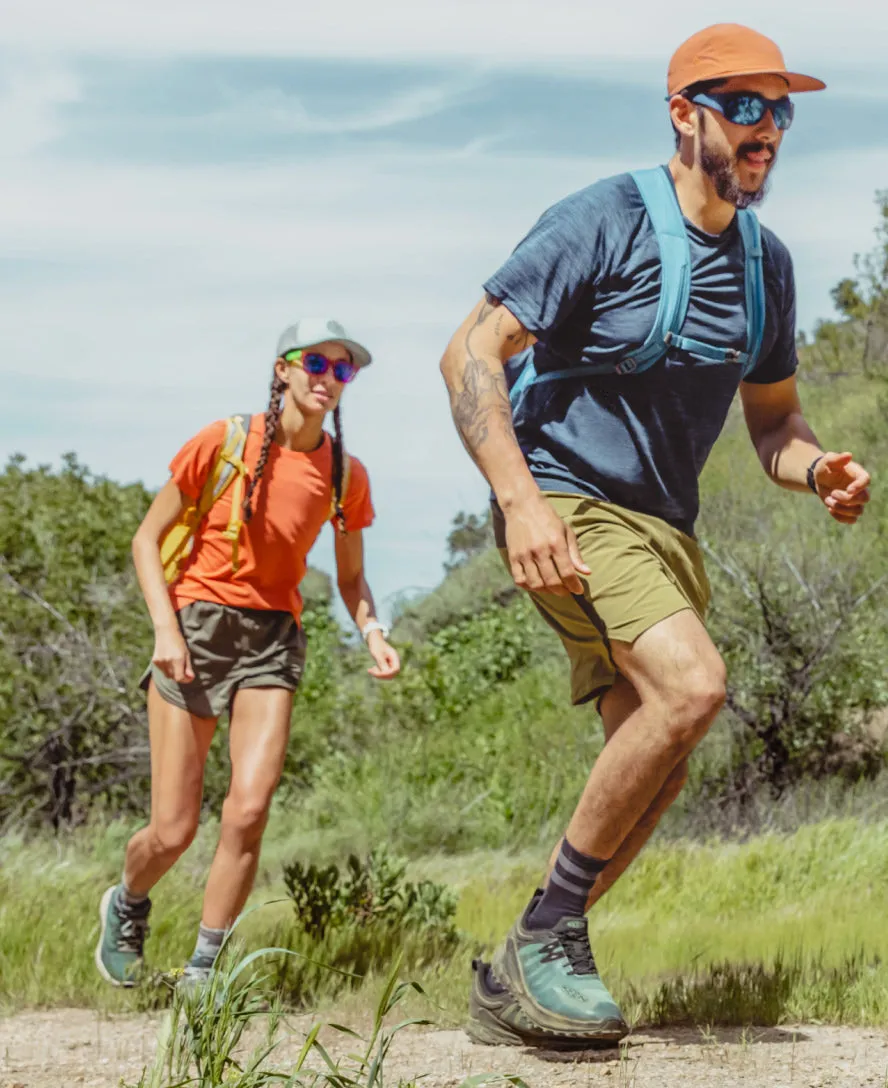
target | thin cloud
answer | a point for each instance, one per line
(154, 290)
(511, 31)
(30, 98)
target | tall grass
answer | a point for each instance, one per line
(781, 927)
(228, 1033)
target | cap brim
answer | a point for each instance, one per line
(359, 353)
(796, 83)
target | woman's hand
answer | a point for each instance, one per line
(388, 664)
(171, 654)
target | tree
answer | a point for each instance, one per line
(805, 670)
(863, 305)
(470, 535)
(847, 298)
(74, 637)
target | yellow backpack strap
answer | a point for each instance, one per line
(232, 467)
(227, 466)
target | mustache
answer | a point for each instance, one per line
(752, 147)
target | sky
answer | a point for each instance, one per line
(180, 181)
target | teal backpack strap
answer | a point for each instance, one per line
(751, 233)
(661, 203)
(751, 236)
(659, 197)
(526, 377)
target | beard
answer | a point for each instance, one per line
(721, 169)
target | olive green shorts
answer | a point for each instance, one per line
(643, 571)
(232, 648)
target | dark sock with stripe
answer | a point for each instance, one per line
(568, 889)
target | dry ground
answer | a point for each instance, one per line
(77, 1048)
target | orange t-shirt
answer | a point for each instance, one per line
(291, 505)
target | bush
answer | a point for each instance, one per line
(359, 921)
(370, 892)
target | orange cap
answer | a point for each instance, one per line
(727, 50)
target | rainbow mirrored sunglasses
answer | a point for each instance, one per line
(313, 362)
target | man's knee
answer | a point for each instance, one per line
(691, 701)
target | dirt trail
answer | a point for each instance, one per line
(77, 1048)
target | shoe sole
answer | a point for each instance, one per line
(103, 915)
(507, 966)
(485, 1027)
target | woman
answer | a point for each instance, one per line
(227, 633)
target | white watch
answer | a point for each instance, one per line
(374, 625)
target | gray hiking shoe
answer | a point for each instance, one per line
(194, 979)
(119, 953)
(552, 976)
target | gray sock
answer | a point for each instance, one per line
(209, 944)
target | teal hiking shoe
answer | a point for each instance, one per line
(496, 1018)
(119, 953)
(552, 975)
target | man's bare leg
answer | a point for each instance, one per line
(679, 679)
(617, 705)
(545, 961)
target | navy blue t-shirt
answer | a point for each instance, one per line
(586, 282)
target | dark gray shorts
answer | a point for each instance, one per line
(232, 648)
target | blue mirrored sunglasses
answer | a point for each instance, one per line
(317, 364)
(747, 107)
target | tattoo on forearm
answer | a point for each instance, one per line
(484, 396)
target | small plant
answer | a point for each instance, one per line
(200, 1042)
(369, 892)
(315, 893)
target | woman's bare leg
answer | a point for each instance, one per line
(260, 730)
(179, 745)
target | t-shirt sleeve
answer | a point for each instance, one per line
(782, 361)
(192, 464)
(357, 505)
(551, 267)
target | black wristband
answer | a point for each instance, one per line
(812, 483)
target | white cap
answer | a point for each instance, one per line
(308, 331)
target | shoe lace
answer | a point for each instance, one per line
(575, 948)
(132, 933)
(579, 953)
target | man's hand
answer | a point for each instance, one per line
(543, 552)
(843, 485)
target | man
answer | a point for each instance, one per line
(634, 310)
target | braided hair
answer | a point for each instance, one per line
(272, 419)
(338, 470)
